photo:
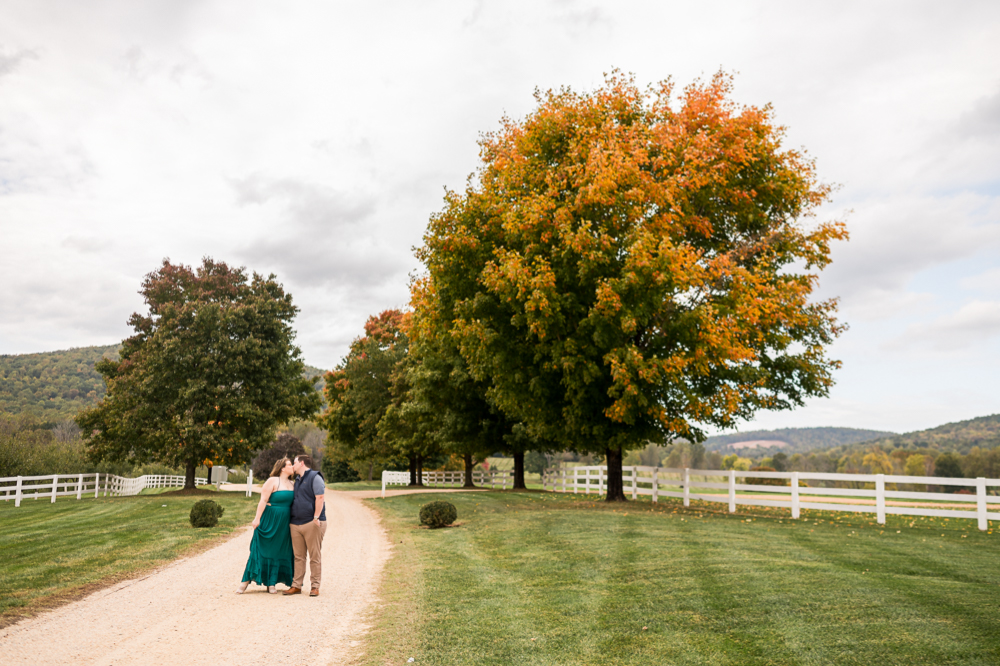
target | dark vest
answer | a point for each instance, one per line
(304, 501)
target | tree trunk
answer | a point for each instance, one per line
(469, 464)
(189, 470)
(420, 470)
(519, 471)
(616, 487)
(413, 470)
(371, 469)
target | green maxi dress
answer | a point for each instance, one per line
(271, 558)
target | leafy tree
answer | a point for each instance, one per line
(916, 465)
(949, 465)
(626, 271)
(286, 445)
(360, 391)
(982, 463)
(779, 461)
(453, 405)
(209, 374)
(339, 471)
(535, 462)
(878, 462)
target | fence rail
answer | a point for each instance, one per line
(437, 478)
(84, 485)
(684, 484)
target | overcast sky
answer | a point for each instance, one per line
(314, 139)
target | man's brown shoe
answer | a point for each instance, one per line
(314, 592)
(292, 590)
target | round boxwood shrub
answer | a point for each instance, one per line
(206, 513)
(438, 514)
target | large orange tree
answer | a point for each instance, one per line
(630, 266)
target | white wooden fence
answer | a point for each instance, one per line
(83, 485)
(479, 477)
(684, 484)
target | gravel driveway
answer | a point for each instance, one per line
(188, 612)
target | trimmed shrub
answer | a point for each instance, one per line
(338, 471)
(765, 482)
(206, 513)
(438, 514)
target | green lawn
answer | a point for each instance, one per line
(358, 485)
(645, 584)
(52, 553)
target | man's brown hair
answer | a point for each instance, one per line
(306, 459)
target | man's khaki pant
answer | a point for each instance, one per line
(308, 539)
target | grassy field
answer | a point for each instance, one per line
(53, 553)
(540, 578)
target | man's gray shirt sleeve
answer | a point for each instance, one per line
(318, 486)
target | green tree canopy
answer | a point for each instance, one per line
(361, 389)
(626, 269)
(209, 374)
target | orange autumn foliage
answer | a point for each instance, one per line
(630, 265)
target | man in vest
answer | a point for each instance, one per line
(308, 525)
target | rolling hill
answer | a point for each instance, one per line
(52, 385)
(790, 440)
(960, 436)
(56, 385)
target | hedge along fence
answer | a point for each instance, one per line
(798, 494)
(84, 485)
(439, 478)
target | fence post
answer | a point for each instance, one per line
(250, 483)
(795, 494)
(17, 493)
(880, 498)
(97, 484)
(79, 487)
(602, 473)
(687, 491)
(656, 486)
(981, 502)
(55, 483)
(732, 491)
(635, 474)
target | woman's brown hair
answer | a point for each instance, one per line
(278, 466)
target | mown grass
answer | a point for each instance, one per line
(54, 553)
(357, 485)
(543, 578)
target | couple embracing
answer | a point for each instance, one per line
(290, 524)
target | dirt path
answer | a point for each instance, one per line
(187, 613)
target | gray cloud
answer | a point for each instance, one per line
(983, 119)
(319, 236)
(10, 62)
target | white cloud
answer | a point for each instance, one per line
(970, 325)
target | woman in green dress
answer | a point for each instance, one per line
(271, 558)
